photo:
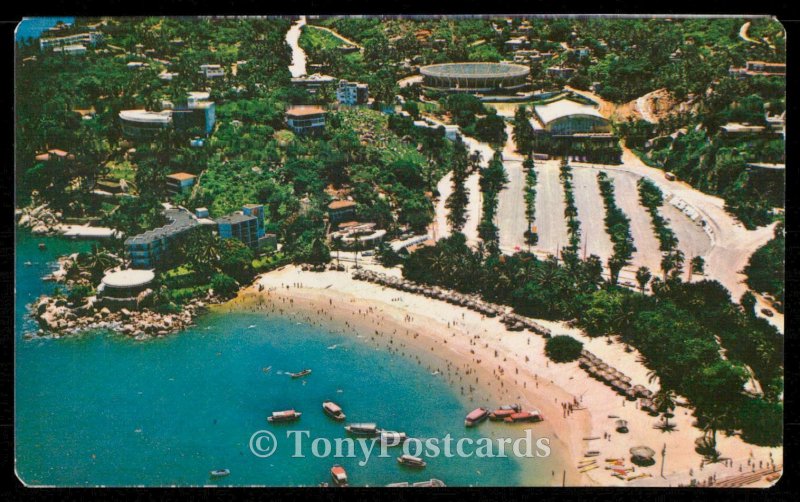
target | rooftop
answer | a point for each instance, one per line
(563, 108)
(179, 221)
(128, 278)
(145, 116)
(181, 176)
(341, 204)
(234, 218)
(301, 111)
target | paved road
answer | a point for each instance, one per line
(550, 223)
(298, 66)
(511, 208)
(591, 212)
(692, 240)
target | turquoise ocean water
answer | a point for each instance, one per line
(33, 27)
(100, 409)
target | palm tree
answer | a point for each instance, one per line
(664, 401)
(643, 276)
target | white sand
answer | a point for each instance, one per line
(341, 297)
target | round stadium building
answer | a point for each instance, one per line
(486, 78)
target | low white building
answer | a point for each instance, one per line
(212, 70)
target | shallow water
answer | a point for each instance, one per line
(100, 409)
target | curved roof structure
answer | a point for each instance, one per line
(128, 278)
(145, 117)
(565, 108)
(475, 70)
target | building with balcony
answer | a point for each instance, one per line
(148, 250)
(306, 120)
(239, 226)
(140, 124)
(90, 38)
(352, 93)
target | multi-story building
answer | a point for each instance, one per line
(312, 83)
(256, 210)
(178, 183)
(195, 116)
(78, 39)
(71, 50)
(144, 124)
(239, 226)
(352, 93)
(306, 120)
(148, 249)
(560, 72)
(341, 210)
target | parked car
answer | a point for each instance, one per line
(767, 312)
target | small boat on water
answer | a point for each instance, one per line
(476, 416)
(431, 483)
(300, 374)
(284, 416)
(28, 264)
(524, 416)
(392, 438)
(364, 429)
(505, 411)
(219, 473)
(411, 461)
(42, 246)
(267, 369)
(339, 475)
(333, 410)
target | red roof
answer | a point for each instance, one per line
(181, 176)
(302, 111)
(341, 204)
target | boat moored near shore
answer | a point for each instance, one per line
(476, 416)
(431, 483)
(524, 416)
(503, 412)
(284, 416)
(219, 473)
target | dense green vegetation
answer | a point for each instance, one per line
(651, 198)
(570, 209)
(531, 237)
(686, 317)
(456, 203)
(563, 348)
(493, 179)
(618, 227)
(766, 269)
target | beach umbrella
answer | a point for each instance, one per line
(622, 426)
(642, 452)
(625, 379)
(630, 394)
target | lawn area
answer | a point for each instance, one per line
(319, 39)
(123, 170)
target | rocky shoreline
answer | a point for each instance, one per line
(57, 318)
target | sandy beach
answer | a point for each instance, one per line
(484, 359)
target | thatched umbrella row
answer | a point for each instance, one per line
(611, 376)
(468, 301)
